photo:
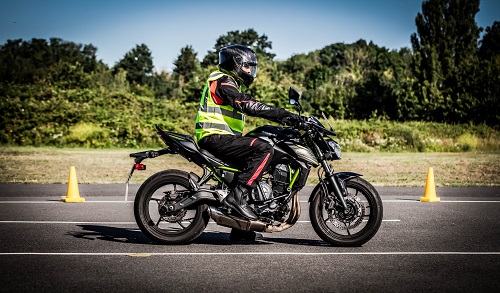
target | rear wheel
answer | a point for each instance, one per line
(156, 221)
(353, 227)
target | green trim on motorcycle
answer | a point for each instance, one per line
(173, 206)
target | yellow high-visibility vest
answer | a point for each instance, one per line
(217, 119)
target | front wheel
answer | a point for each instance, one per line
(156, 221)
(353, 227)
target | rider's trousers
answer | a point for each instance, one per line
(251, 155)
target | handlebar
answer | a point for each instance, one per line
(308, 123)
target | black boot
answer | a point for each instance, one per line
(240, 235)
(236, 200)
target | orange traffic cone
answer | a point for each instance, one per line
(73, 194)
(430, 188)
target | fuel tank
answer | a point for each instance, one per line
(286, 141)
(268, 132)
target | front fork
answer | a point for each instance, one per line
(334, 182)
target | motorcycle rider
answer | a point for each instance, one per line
(220, 122)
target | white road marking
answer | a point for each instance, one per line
(112, 223)
(60, 202)
(446, 201)
(302, 201)
(252, 253)
(67, 222)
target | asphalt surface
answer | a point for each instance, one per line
(50, 246)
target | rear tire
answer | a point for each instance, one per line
(152, 216)
(354, 228)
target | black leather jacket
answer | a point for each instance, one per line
(226, 93)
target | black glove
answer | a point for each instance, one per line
(290, 119)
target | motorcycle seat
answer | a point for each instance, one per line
(216, 160)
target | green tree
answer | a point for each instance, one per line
(297, 66)
(490, 44)
(38, 60)
(188, 74)
(488, 83)
(249, 38)
(186, 65)
(385, 85)
(138, 63)
(445, 47)
(163, 85)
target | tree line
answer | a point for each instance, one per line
(54, 88)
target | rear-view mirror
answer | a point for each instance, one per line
(293, 96)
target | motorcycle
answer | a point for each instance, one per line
(174, 207)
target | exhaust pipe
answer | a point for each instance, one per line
(258, 226)
(293, 217)
(235, 222)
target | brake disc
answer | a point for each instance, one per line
(349, 219)
(171, 217)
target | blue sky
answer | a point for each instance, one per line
(293, 27)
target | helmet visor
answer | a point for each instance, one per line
(250, 68)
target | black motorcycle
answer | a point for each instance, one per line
(174, 207)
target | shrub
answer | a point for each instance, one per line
(467, 142)
(88, 135)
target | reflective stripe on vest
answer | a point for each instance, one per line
(217, 119)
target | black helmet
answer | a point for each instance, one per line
(233, 58)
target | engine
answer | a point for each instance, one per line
(281, 179)
(273, 186)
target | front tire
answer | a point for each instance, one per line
(153, 217)
(358, 225)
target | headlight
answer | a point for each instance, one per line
(335, 149)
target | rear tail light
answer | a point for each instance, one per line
(139, 167)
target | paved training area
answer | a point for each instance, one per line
(51, 246)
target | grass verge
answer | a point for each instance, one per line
(51, 165)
